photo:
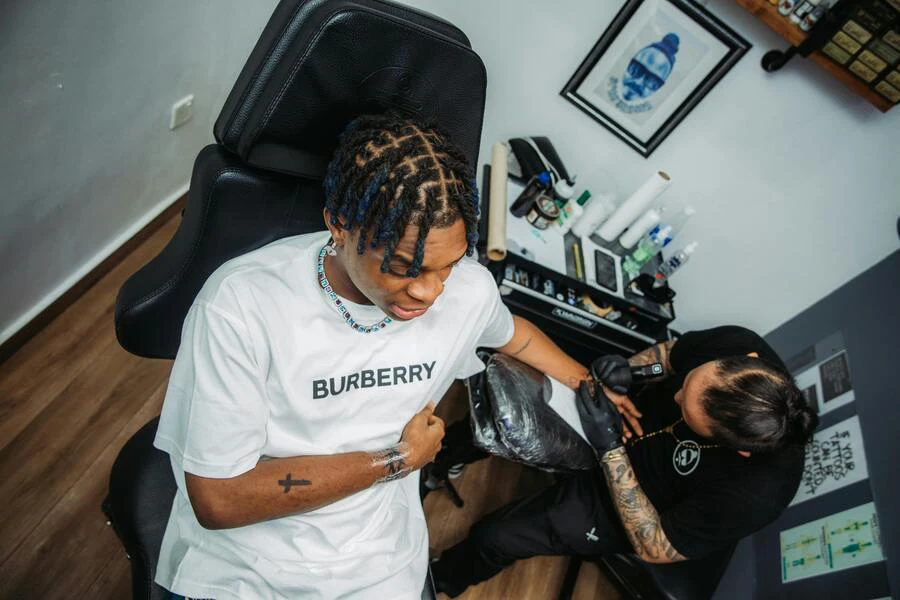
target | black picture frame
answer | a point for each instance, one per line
(735, 44)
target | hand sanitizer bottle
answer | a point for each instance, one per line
(571, 212)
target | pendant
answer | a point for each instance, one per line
(686, 457)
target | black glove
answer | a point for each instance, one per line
(600, 419)
(613, 371)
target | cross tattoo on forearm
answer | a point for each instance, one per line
(287, 482)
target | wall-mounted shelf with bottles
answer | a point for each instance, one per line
(865, 61)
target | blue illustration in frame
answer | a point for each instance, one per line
(650, 68)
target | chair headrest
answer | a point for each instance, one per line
(320, 63)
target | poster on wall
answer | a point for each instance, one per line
(834, 459)
(652, 65)
(840, 541)
(827, 384)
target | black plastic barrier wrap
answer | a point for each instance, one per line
(511, 418)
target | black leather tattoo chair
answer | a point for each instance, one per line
(317, 65)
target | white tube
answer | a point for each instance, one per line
(600, 207)
(496, 237)
(637, 229)
(636, 204)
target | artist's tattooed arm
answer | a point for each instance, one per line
(639, 517)
(655, 354)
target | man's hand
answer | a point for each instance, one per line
(625, 406)
(423, 433)
(600, 419)
(612, 371)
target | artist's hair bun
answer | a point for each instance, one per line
(801, 420)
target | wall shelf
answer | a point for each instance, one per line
(768, 14)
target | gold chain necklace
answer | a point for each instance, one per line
(670, 429)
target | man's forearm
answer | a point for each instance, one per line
(639, 517)
(281, 487)
(531, 346)
(658, 353)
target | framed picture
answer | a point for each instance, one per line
(650, 68)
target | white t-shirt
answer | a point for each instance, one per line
(267, 367)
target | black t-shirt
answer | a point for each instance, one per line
(708, 498)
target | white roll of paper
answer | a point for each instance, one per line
(496, 237)
(637, 229)
(634, 206)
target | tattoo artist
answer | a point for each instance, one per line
(705, 455)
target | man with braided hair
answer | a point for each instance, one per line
(303, 392)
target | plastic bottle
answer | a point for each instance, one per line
(812, 18)
(678, 220)
(594, 214)
(647, 249)
(563, 189)
(675, 262)
(786, 7)
(805, 7)
(562, 194)
(571, 212)
(637, 229)
(537, 184)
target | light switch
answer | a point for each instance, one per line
(182, 112)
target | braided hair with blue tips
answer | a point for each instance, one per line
(388, 173)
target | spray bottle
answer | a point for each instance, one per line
(675, 262)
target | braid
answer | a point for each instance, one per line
(388, 173)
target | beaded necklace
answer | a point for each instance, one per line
(340, 306)
(670, 429)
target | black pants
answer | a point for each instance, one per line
(574, 517)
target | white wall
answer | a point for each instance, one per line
(86, 157)
(796, 180)
(791, 204)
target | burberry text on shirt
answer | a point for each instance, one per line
(322, 388)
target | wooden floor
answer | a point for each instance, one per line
(71, 397)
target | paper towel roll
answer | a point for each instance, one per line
(636, 204)
(496, 237)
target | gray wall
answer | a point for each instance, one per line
(86, 155)
(865, 313)
(738, 581)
